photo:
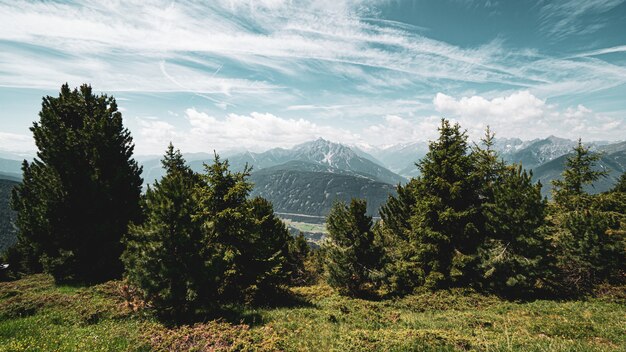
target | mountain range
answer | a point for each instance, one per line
(307, 178)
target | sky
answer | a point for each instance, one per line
(234, 75)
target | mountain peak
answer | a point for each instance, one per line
(554, 139)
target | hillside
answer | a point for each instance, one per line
(10, 169)
(538, 152)
(613, 161)
(7, 215)
(322, 152)
(35, 315)
(306, 188)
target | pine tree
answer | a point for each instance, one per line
(589, 230)
(401, 263)
(352, 257)
(579, 172)
(299, 252)
(515, 257)
(85, 188)
(163, 255)
(224, 216)
(248, 243)
(447, 218)
(266, 252)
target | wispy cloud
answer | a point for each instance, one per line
(568, 17)
(125, 45)
(315, 62)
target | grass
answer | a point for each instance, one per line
(36, 315)
(307, 227)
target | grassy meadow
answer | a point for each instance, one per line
(36, 315)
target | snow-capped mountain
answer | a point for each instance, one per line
(536, 152)
(322, 152)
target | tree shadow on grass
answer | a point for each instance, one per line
(238, 313)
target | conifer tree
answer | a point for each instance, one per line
(447, 218)
(266, 252)
(590, 230)
(85, 187)
(515, 257)
(249, 244)
(164, 254)
(224, 215)
(579, 172)
(353, 258)
(401, 265)
(299, 252)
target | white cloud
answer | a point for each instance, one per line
(566, 17)
(256, 131)
(520, 106)
(16, 142)
(523, 115)
(133, 46)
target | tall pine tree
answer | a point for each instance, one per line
(447, 218)
(515, 255)
(163, 255)
(85, 189)
(590, 230)
(353, 257)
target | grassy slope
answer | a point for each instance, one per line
(37, 316)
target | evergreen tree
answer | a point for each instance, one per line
(352, 257)
(400, 243)
(164, 255)
(266, 252)
(85, 187)
(579, 172)
(589, 230)
(224, 216)
(249, 244)
(515, 257)
(447, 218)
(299, 252)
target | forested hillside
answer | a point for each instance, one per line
(295, 187)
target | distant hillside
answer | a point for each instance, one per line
(613, 160)
(296, 187)
(10, 169)
(535, 153)
(322, 152)
(401, 158)
(7, 215)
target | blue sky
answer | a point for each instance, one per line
(253, 75)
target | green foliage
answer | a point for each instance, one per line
(163, 255)
(78, 197)
(591, 243)
(247, 244)
(299, 252)
(204, 242)
(436, 222)
(589, 230)
(353, 258)
(515, 257)
(7, 215)
(447, 217)
(578, 173)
